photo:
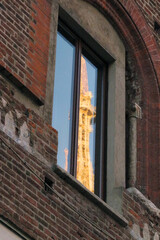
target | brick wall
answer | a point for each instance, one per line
(66, 213)
(25, 27)
(151, 12)
(56, 215)
(142, 215)
(25, 127)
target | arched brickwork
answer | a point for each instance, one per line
(127, 19)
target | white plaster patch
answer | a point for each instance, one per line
(156, 236)
(9, 126)
(135, 232)
(4, 102)
(146, 234)
(150, 206)
(24, 137)
(19, 115)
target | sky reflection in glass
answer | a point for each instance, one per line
(62, 100)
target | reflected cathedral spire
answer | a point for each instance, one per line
(87, 112)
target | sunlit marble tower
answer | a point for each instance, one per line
(87, 111)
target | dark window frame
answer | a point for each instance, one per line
(102, 108)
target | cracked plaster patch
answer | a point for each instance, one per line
(146, 234)
(19, 115)
(156, 236)
(150, 205)
(9, 126)
(24, 137)
(135, 232)
(4, 102)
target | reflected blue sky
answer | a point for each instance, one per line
(62, 99)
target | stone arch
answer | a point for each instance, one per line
(137, 37)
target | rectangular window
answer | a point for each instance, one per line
(79, 111)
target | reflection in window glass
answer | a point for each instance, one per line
(87, 124)
(62, 101)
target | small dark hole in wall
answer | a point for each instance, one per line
(3, 119)
(31, 142)
(12, 92)
(48, 185)
(2, 6)
(157, 27)
(17, 131)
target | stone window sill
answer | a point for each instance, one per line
(92, 197)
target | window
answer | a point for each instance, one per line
(93, 28)
(80, 110)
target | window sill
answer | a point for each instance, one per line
(95, 199)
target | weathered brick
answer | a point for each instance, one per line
(24, 46)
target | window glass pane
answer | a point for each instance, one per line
(87, 124)
(62, 101)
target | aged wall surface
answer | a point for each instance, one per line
(38, 199)
(25, 27)
(151, 11)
